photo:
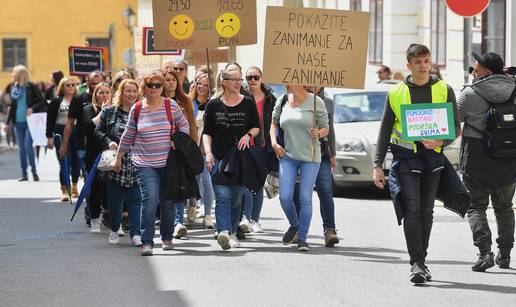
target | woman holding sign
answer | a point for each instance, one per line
(294, 113)
(419, 171)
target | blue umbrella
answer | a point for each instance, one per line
(87, 186)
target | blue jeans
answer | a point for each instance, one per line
(289, 168)
(25, 148)
(206, 190)
(228, 201)
(324, 188)
(253, 205)
(116, 196)
(150, 179)
(72, 155)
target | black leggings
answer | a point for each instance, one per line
(98, 194)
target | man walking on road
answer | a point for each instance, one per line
(485, 175)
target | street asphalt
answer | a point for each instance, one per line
(48, 260)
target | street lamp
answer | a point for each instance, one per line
(129, 16)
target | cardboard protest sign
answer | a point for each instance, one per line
(432, 121)
(37, 123)
(198, 56)
(316, 47)
(192, 24)
(84, 60)
(149, 47)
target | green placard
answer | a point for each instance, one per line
(430, 121)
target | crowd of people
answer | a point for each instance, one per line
(223, 116)
(249, 142)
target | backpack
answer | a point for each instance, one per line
(499, 138)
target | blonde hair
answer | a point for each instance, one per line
(117, 101)
(95, 91)
(61, 86)
(224, 74)
(22, 74)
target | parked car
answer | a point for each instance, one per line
(357, 119)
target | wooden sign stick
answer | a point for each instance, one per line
(314, 125)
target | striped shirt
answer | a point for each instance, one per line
(149, 143)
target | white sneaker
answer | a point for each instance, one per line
(234, 242)
(191, 213)
(95, 226)
(179, 231)
(113, 238)
(245, 225)
(136, 241)
(223, 240)
(121, 231)
(207, 222)
(256, 227)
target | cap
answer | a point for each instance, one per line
(491, 61)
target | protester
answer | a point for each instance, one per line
(419, 166)
(200, 94)
(148, 139)
(398, 75)
(265, 101)
(57, 116)
(173, 91)
(55, 78)
(324, 180)
(483, 174)
(384, 73)
(230, 120)
(6, 101)
(295, 117)
(26, 99)
(435, 70)
(118, 78)
(121, 184)
(181, 69)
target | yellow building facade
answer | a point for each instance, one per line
(38, 33)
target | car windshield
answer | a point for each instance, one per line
(359, 107)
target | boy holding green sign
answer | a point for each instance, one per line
(424, 106)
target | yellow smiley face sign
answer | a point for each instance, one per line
(181, 27)
(228, 24)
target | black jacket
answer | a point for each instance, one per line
(451, 191)
(183, 164)
(53, 109)
(263, 138)
(104, 133)
(35, 101)
(243, 168)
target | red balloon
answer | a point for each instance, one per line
(467, 8)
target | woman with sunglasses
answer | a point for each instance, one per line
(173, 91)
(296, 119)
(121, 186)
(200, 94)
(265, 101)
(57, 115)
(148, 139)
(97, 200)
(181, 69)
(231, 119)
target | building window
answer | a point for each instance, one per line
(376, 32)
(438, 32)
(14, 52)
(355, 5)
(493, 28)
(98, 42)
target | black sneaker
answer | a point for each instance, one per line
(502, 261)
(303, 246)
(23, 178)
(428, 275)
(291, 235)
(240, 234)
(417, 274)
(484, 262)
(35, 177)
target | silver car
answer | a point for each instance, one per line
(357, 118)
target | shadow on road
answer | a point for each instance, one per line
(476, 287)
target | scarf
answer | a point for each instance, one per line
(17, 91)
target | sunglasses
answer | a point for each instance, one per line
(153, 85)
(255, 78)
(178, 68)
(70, 85)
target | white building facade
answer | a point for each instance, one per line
(395, 24)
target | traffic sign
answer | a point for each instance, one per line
(467, 8)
